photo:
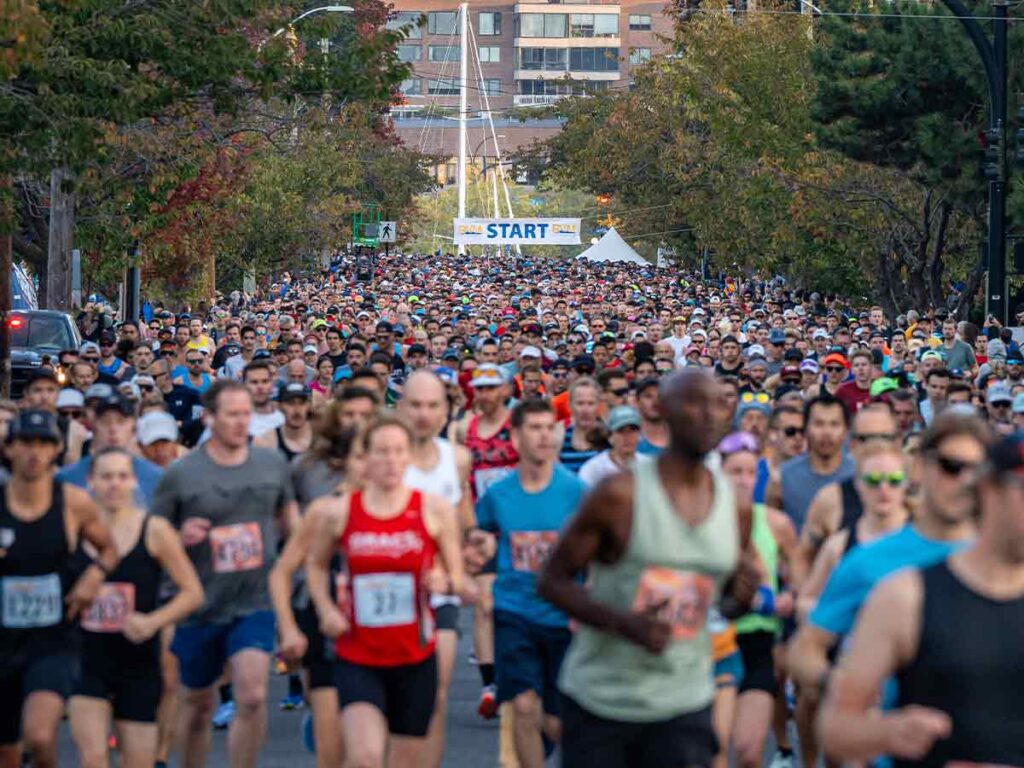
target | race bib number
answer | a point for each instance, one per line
(32, 601)
(684, 598)
(531, 549)
(114, 603)
(485, 478)
(236, 547)
(384, 599)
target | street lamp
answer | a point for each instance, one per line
(311, 11)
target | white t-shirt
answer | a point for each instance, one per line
(597, 468)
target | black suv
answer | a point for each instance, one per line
(37, 334)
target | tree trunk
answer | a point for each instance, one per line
(61, 231)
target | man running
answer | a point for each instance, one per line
(438, 467)
(658, 545)
(225, 498)
(41, 524)
(944, 631)
(294, 437)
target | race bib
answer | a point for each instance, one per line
(236, 547)
(384, 599)
(485, 478)
(684, 596)
(32, 601)
(531, 549)
(114, 603)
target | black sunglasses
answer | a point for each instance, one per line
(834, 368)
(167, 353)
(620, 392)
(792, 431)
(952, 467)
(866, 437)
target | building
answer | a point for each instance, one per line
(522, 55)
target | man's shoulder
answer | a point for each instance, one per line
(145, 467)
(794, 464)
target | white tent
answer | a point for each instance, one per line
(612, 248)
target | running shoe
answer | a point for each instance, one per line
(224, 715)
(292, 701)
(472, 659)
(487, 707)
(307, 732)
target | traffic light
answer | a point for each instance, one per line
(995, 155)
(1020, 138)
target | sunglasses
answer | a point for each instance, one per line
(876, 479)
(559, 375)
(168, 353)
(755, 397)
(146, 387)
(620, 392)
(194, 362)
(952, 467)
(834, 368)
(867, 437)
(792, 431)
(73, 413)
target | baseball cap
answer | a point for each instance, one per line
(156, 426)
(882, 385)
(1007, 455)
(777, 336)
(447, 375)
(450, 354)
(43, 373)
(293, 390)
(417, 349)
(261, 354)
(144, 380)
(34, 425)
(70, 398)
(755, 350)
(932, 354)
(115, 402)
(789, 371)
(487, 375)
(819, 334)
(98, 391)
(646, 383)
(810, 366)
(530, 351)
(623, 416)
(89, 347)
(583, 361)
(999, 393)
(310, 349)
(836, 358)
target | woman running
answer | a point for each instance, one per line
(299, 633)
(120, 674)
(381, 623)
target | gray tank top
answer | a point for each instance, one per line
(800, 484)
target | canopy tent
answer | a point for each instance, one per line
(612, 248)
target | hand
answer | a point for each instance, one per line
(84, 592)
(784, 604)
(293, 643)
(647, 630)
(746, 578)
(333, 624)
(914, 729)
(194, 530)
(436, 582)
(139, 627)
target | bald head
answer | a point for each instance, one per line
(424, 405)
(696, 411)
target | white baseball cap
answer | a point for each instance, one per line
(155, 426)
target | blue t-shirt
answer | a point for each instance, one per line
(865, 566)
(147, 475)
(646, 448)
(527, 526)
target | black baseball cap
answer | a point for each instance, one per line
(34, 425)
(1006, 456)
(115, 402)
(417, 349)
(43, 373)
(293, 390)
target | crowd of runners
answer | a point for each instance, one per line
(683, 512)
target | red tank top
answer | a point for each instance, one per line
(388, 609)
(493, 457)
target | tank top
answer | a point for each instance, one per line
(763, 539)
(493, 457)
(852, 508)
(665, 559)
(388, 610)
(282, 446)
(441, 480)
(966, 667)
(573, 458)
(131, 587)
(34, 578)
(800, 483)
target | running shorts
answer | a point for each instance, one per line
(528, 657)
(446, 617)
(404, 694)
(133, 694)
(729, 671)
(204, 649)
(758, 662)
(52, 672)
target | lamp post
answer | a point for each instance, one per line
(310, 12)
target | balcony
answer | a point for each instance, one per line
(611, 5)
(567, 42)
(536, 100)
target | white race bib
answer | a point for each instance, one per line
(384, 599)
(32, 601)
(485, 478)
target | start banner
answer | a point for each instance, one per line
(517, 231)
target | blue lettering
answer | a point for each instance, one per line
(515, 230)
(492, 231)
(543, 230)
(528, 229)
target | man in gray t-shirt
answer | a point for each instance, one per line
(231, 503)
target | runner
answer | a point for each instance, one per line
(583, 435)
(294, 437)
(438, 467)
(637, 680)
(225, 498)
(526, 510)
(119, 677)
(959, 692)
(41, 523)
(624, 427)
(382, 624)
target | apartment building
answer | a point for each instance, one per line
(525, 54)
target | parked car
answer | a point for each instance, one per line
(37, 336)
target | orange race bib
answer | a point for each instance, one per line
(236, 547)
(114, 603)
(531, 549)
(684, 597)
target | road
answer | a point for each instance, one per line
(472, 742)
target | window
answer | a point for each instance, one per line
(639, 55)
(489, 54)
(443, 23)
(640, 22)
(492, 86)
(542, 25)
(444, 86)
(593, 25)
(410, 87)
(544, 88)
(40, 331)
(409, 52)
(594, 59)
(489, 24)
(409, 22)
(549, 59)
(442, 52)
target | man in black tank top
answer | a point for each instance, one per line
(41, 523)
(947, 634)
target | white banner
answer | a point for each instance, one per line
(517, 231)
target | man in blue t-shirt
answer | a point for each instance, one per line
(951, 449)
(525, 513)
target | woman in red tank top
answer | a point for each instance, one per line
(398, 545)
